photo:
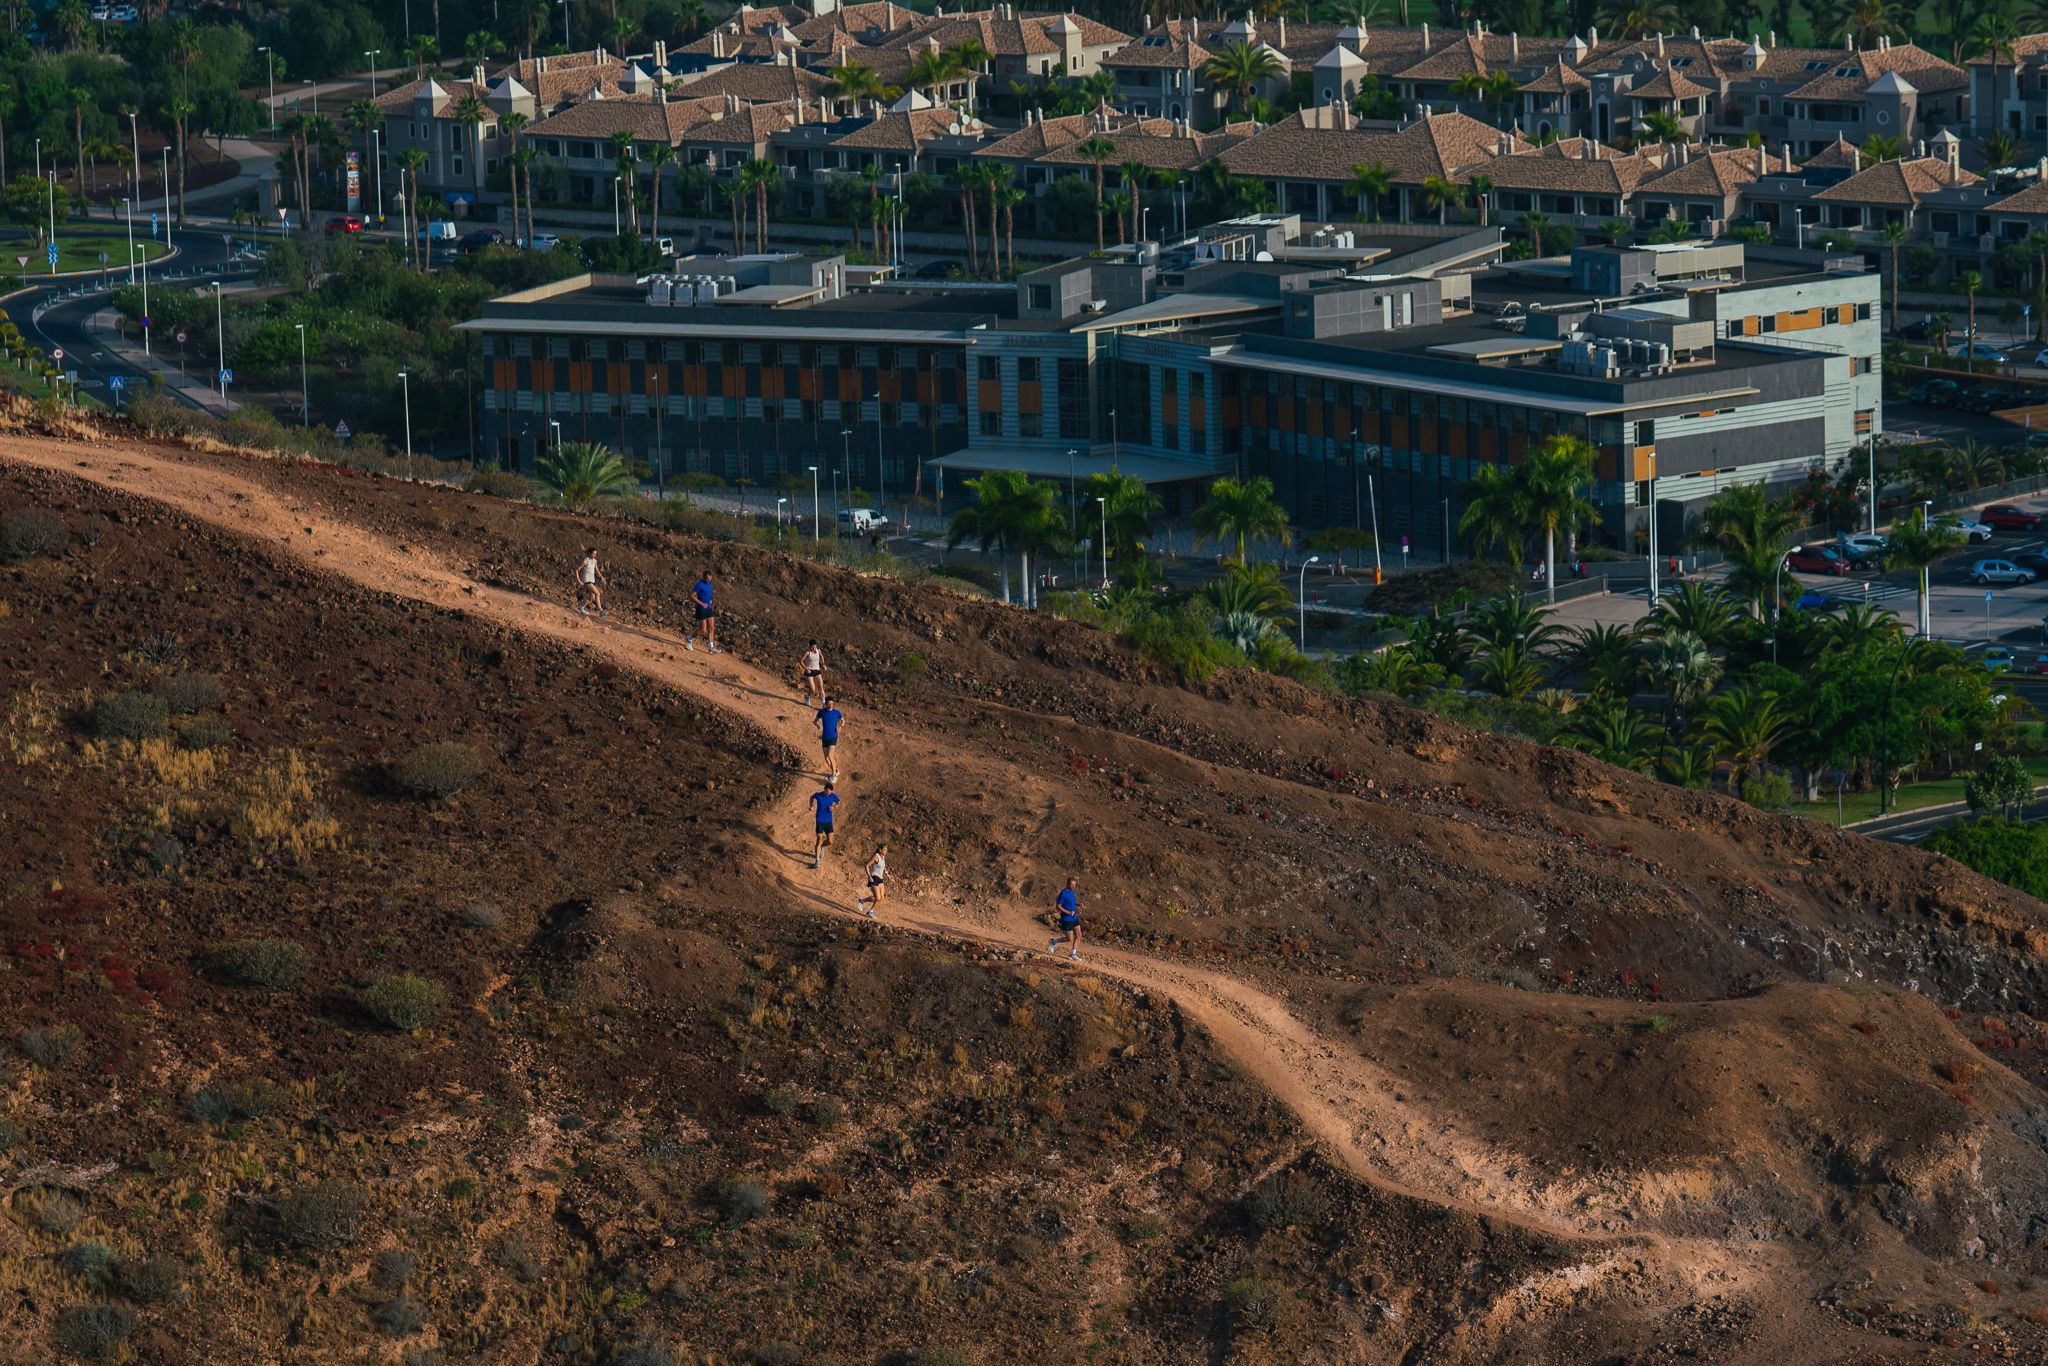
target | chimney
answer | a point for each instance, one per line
(1954, 149)
(1592, 35)
(1515, 47)
(1919, 148)
(1660, 45)
(660, 95)
(1425, 40)
(1283, 30)
(1147, 27)
(1848, 42)
(1773, 39)
(1760, 161)
(1695, 30)
(476, 75)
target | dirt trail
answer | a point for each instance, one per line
(1349, 1104)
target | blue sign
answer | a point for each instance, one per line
(1987, 595)
(152, 225)
(115, 381)
(51, 252)
(145, 322)
(226, 375)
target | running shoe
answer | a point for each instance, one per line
(814, 863)
(601, 612)
(872, 915)
(690, 645)
(715, 650)
(1053, 947)
(1075, 956)
(584, 610)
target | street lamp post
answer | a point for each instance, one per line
(270, 64)
(1926, 622)
(376, 132)
(220, 343)
(128, 211)
(778, 510)
(1072, 492)
(660, 451)
(1653, 529)
(817, 528)
(145, 293)
(1372, 497)
(305, 392)
(881, 469)
(845, 460)
(1301, 600)
(1103, 503)
(1447, 531)
(1873, 485)
(405, 382)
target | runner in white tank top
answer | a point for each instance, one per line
(878, 880)
(812, 666)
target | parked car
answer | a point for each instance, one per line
(1980, 351)
(483, 237)
(1864, 551)
(861, 519)
(2031, 559)
(938, 270)
(546, 241)
(1972, 531)
(1817, 559)
(2006, 517)
(1999, 571)
(2039, 666)
(1814, 602)
(1938, 393)
(345, 222)
(440, 230)
(1919, 331)
(1983, 400)
(1996, 660)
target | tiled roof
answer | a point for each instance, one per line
(1464, 57)
(452, 94)
(1903, 183)
(2023, 47)
(1556, 80)
(1002, 37)
(1615, 174)
(1706, 173)
(857, 19)
(1441, 145)
(1575, 149)
(1839, 153)
(1035, 140)
(1161, 149)
(905, 132)
(758, 83)
(750, 126)
(2033, 199)
(1703, 56)
(1667, 85)
(1179, 51)
(646, 120)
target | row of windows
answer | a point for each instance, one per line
(692, 408)
(803, 355)
(1506, 417)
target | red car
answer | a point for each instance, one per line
(347, 222)
(2006, 517)
(1817, 559)
(2039, 666)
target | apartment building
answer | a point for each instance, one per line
(1372, 385)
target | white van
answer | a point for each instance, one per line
(861, 519)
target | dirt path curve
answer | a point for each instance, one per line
(1349, 1104)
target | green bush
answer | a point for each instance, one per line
(911, 667)
(130, 716)
(827, 1111)
(1768, 792)
(252, 1098)
(153, 1280)
(500, 484)
(324, 1214)
(1253, 1305)
(272, 963)
(191, 692)
(398, 1318)
(91, 1261)
(1181, 641)
(2012, 852)
(404, 1003)
(438, 771)
(1284, 1199)
(743, 1198)
(781, 1100)
(208, 730)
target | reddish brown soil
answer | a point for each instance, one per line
(1558, 1034)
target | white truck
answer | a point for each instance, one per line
(862, 520)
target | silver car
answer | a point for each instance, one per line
(1999, 571)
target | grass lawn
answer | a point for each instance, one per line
(76, 250)
(1860, 806)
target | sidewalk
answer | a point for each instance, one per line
(189, 387)
(252, 159)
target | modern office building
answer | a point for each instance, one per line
(1367, 379)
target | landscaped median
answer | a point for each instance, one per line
(1863, 806)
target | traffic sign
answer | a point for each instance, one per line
(228, 238)
(56, 353)
(1987, 595)
(226, 375)
(115, 381)
(145, 322)
(341, 427)
(181, 336)
(51, 252)
(152, 225)
(22, 261)
(103, 258)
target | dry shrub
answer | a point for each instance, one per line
(272, 808)
(27, 532)
(208, 730)
(1991, 1026)
(743, 1198)
(52, 1047)
(827, 1111)
(1021, 1017)
(483, 915)
(1990, 1287)
(405, 1003)
(191, 692)
(437, 771)
(249, 1098)
(55, 1212)
(2039, 1315)
(1957, 1071)
(1961, 1096)
(516, 1256)
(1283, 1200)
(176, 764)
(272, 963)
(324, 1214)
(1254, 1305)
(153, 1280)
(95, 1332)
(500, 484)
(1197, 1174)
(1865, 1027)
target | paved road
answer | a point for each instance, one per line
(1914, 826)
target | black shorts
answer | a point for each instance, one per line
(812, 673)
(875, 881)
(829, 741)
(824, 827)
(706, 614)
(1070, 924)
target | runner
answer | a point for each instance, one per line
(1068, 903)
(821, 834)
(589, 579)
(813, 668)
(878, 880)
(828, 721)
(707, 620)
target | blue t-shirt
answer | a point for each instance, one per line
(1069, 904)
(704, 593)
(824, 801)
(830, 719)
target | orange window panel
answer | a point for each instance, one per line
(1458, 443)
(1315, 419)
(990, 396)
(1030, 396)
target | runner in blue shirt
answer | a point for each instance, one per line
(1068, 905)
(827, 722)
(707, 620)
(821, 834)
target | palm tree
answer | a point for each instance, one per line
(472, 113)
(1658, 126)
(1681, 667)
(512, 125)
(1893, 236)
(2037, 243)
(1399, 672)
(1632, 19)
(1241, 510)
(764, 174)
(857, 82)
(1606, 657)
(1370, 183)
(1996, 34)
(178, 111)
(1556, 475)
(1751, 530)
(1744, 725)
(1128, 507)
(1916, 547)
(1254, 588)
(1510, 671)
(1859, 626)
(70, 19)
(1007, 197)
(1135, 174)
(1117, 205)
(1008, 513)
(1496, 513)
(1968, 282)
(1097, 149)
(411, 162)
(2000, 148)
(1618, 735)
(1614, 230)
(583, 470)
(1239, 68)
(80, 97)
(659, 155)
(1878, 147)
(964, 179)
(1695, 608)
(1441, 194)
(1479, 187)
(928, 70)
(1866, 21)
